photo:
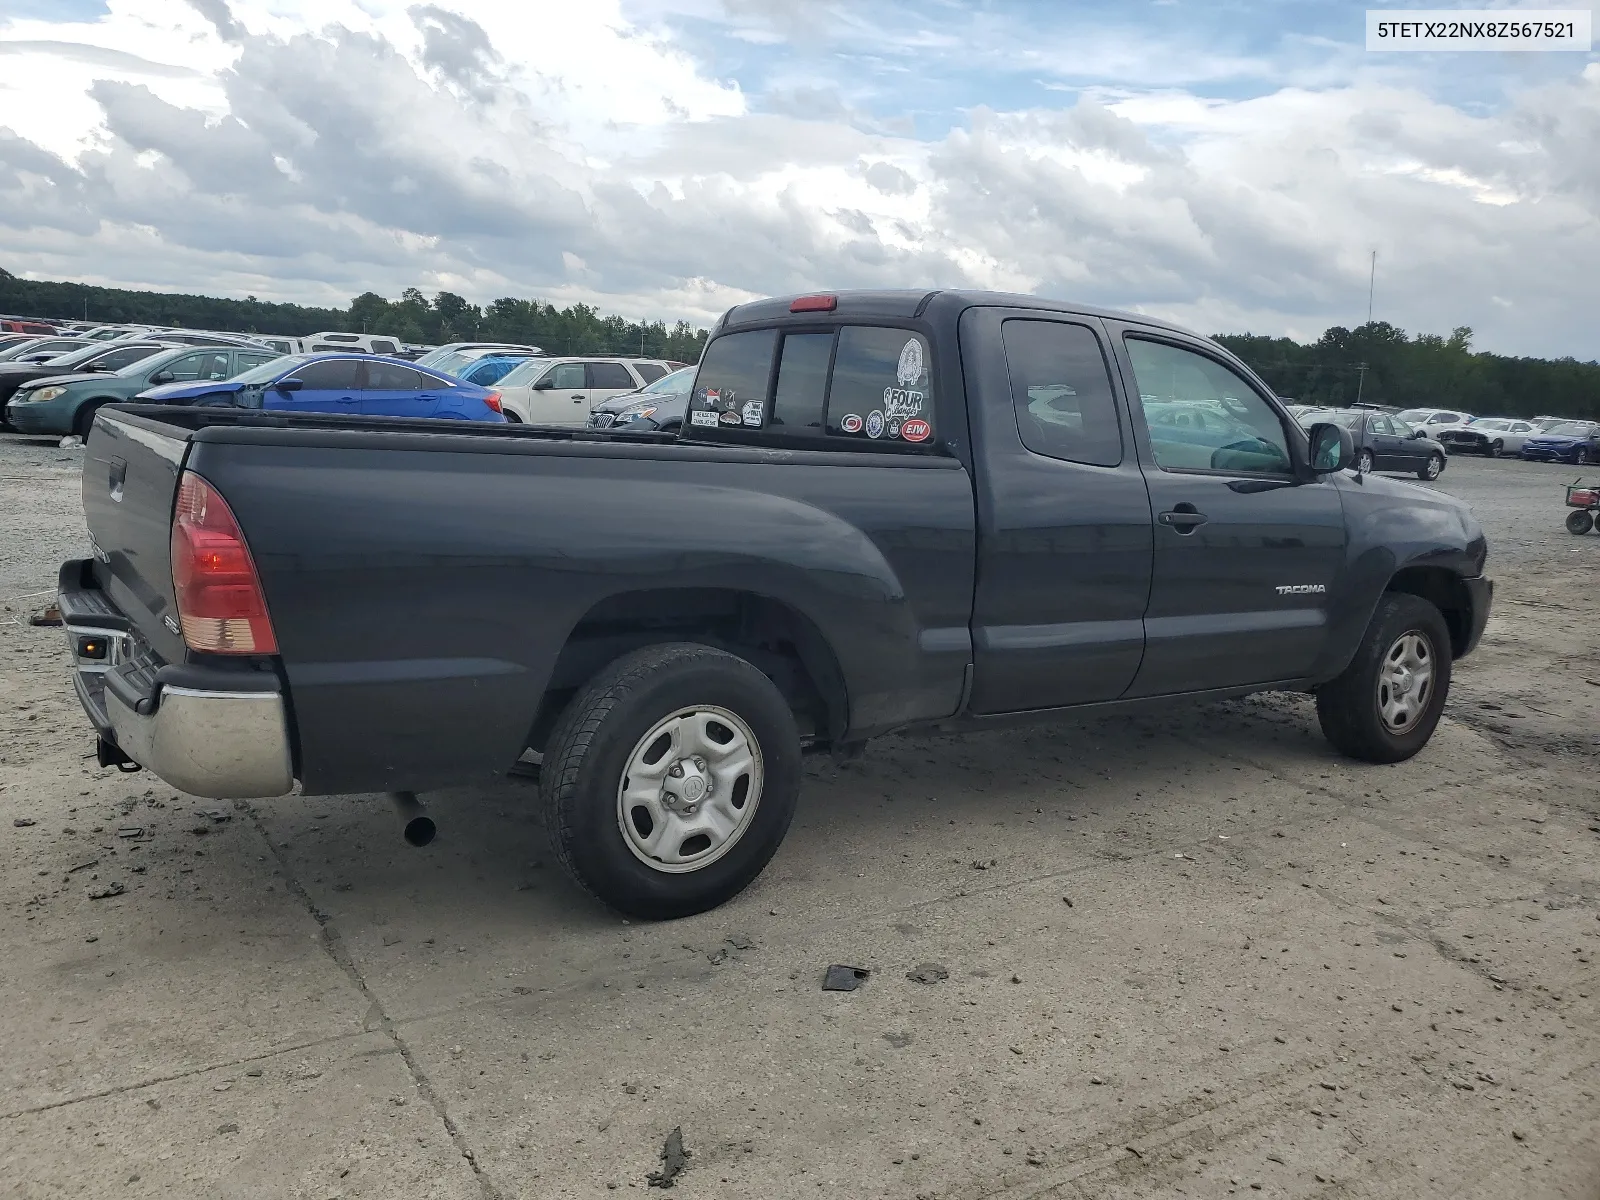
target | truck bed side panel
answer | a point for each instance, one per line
(421, 598)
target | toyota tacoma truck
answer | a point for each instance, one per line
(884, 511)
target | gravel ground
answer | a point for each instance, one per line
(1196, 955)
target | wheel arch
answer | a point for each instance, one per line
(775, 636)
(1446, 591)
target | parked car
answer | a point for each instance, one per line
(369, 385)
(1492, 436)
(452, 354)
(1434, 421)
(1385, 443)
(561, 391)
(658, 405)
(40, 349)
(459, 361)
(95, 357)
(282, 344)
(1565, 441)
(490, 369)
(112, 333)
(8, 340)
(25, 325)
(67, 403)
(892, 536)
(350, 343)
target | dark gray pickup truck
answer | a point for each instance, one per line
(886, 510)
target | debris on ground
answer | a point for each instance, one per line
(673, 1159)
(105, 893)
(46, 616)
(1067, 900)
(840, 978)
(928, 973)
(898, 1040)
(23, 822)
(71, 442)
(83, 866)
(131, 831)
(979, 864)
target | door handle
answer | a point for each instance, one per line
(1183, 518)
(577, 396)
(347, 399)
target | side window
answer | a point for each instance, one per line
(1522, 427)
(387, 377)
(802, 383)
(733, 375)
(249, 361)
(186, 368)
(565, 377)
(882, 385)
(329, 375)
(214, 365)
(649, 372)
(117, 359)
(1379, 423)
(1202, 415)
(1061, 391)
(379, 346)
(610, 376)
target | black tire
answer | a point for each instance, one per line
(84, 420)
(511, 417)
(1364, 462)
(1433, 468)
(1348, 706)
(1580, 520)
(1497, 448)
(590, 749)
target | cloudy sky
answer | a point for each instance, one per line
(1230, 165)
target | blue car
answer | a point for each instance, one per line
(368, 385)
(490, 370)
(1565, 441)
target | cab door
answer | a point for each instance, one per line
(1249, 551)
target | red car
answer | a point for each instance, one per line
(16, 325)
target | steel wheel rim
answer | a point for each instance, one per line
(1364, 463)
(687, 796)
(1405, 681)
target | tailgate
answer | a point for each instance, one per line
(130, 481)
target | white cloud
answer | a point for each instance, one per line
(313, 150)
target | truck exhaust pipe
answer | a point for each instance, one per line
(417, 826)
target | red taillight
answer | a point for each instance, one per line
(220, 602)
(493, 401)
(814, 304)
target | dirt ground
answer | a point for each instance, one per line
(1198, 955)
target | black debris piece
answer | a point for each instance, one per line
(23, 822)
(673, 1159)
(840, 978)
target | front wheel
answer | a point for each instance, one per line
(1385, 705)
(83, 422)
(1496, 448)
(1432, 467)
(1580, 520)
(1364, 463)
(670, 780)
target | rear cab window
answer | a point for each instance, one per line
(847, 387)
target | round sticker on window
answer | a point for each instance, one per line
(910, 369)
(850, 423)
(916, 431)
(875, 424)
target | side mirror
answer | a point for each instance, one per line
(289, 385)
(162, 377)
(1418, 433)
(1331, 448)
(544, 385)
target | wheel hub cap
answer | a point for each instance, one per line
(690, 789)
(1405, 681)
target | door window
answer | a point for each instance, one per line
(1203, 416)
(382, 347)
(185, 369)
(733, 373)
(882, 385)
(1061, 391)
(387, 377)
(1381, 424)
(115, 360)
(329, 375)
(610, 377)
(649, 372)
(1522, 427)
(567, 377)
(802, 384)
(249, 361)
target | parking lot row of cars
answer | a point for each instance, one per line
(1420, 439)
(55, 384)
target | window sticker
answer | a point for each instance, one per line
(881, 386)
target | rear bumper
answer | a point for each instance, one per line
(1480, 591)
(209, 731)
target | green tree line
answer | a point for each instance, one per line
(577, 329)
(1376, 362)
(1381, 365)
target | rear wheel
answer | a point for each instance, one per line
(1432, 468)
(670, 780)
(1496, 448)
(1364, 463)
(1385, 705)
(1580, 520)
(511, 417)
